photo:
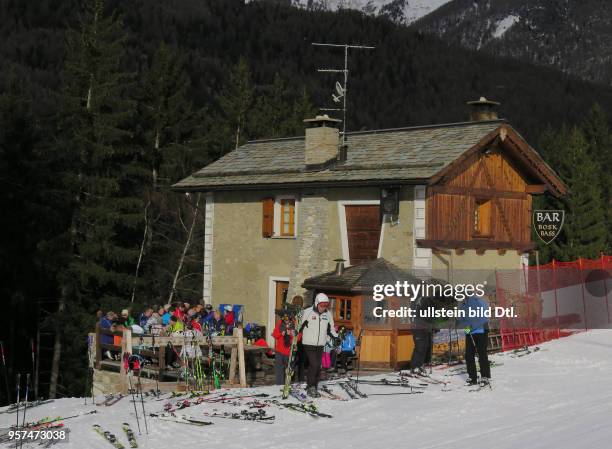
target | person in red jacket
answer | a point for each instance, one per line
(283, 334)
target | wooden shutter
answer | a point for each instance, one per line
(267, 223)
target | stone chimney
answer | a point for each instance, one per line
(482, 110)
(322, 139)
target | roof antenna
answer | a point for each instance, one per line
(341, 90)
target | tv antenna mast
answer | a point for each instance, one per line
(341, 89)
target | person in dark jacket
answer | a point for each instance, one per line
(422, 333)
(476, 339)
(107, 322)
(144, 317)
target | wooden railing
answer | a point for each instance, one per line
(134, 344)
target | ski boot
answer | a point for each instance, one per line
(312, 392)
(471, 382)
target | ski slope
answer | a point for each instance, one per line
(558, 397)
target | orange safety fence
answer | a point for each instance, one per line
(554, 300)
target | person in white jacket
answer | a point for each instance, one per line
(317, 325)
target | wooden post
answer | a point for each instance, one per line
(241, 365)
(126, 347)
(161, 361)
(233, 359)
(98, 347)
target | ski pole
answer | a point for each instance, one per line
(144, 414)
(8, 391)
(33, 356)
(431, 334)
(18, 403)
(359, 355)
(25, 407)
(134, 400)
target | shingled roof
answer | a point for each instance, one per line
(361, 278)
(397, 155)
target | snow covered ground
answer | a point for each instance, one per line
(559, 397)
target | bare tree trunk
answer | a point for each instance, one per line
(142, 247)
(155, 157)
(237, 135)
(57, 347)
(185, 248)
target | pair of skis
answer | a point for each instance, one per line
(110, 400)
(18, 406)
(245, 415)
(181, 419)
(112, 439)
(309, 409)
(351, 388)
(290, 370)
(328, 393)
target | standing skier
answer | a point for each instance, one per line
(476, 339)
(317, 325)
(423, 329)
(283, 334)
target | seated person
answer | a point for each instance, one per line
(107, 322)
(347, 350)
(175, 325)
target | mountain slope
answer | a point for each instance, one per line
(574, 36)
(399, 11)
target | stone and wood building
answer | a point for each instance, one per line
(426, 198)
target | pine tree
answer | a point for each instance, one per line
(273, 113)
(103, 176)
(236, 101)
(303, 108)
(597, 132)
(584, 231)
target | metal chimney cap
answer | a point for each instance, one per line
(482, 101)
(322, 119)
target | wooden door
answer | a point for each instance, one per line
(363, 232)
(282, 287)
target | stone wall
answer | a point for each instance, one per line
(311, 255)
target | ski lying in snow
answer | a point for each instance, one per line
(13, 407)
(48, 420)
(422, 378)
(112, 439)
(309, 409)
(348, 390)
(353, 386)
(226, 397)
(394, 383)
(397, 393)
(245, 415)
(107, 397)
(330, 394)
(182, 419)
(129, 434)
(525, 351)
(113, 401)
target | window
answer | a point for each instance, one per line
(482, 218)
(279, 217)
(344, 309)
(341, 307)
(287, 217)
